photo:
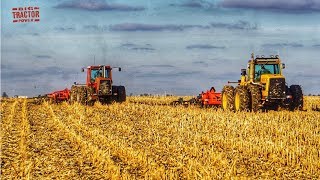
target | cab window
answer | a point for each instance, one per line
(96, 73)
(265, 69)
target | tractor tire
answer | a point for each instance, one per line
(297, 98)
(114, 91)
(121, 94)
(227, 96)
(73, 94)
(82, 95)
(90, 95)
(255, 98)
(241, 98)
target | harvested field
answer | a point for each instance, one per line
(146, 138)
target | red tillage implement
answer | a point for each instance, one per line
(205, 99)
(210, 98)
(58, 96)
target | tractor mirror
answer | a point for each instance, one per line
(119, 68)
(243, 72)
(82, 69)
(283, 66)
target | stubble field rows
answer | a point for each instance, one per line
(139, 139)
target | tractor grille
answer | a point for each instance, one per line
(277, 89)
(105, 87)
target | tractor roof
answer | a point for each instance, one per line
(267, 59)
(271, 59)
(98, 66)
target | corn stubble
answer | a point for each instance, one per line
(144, 140)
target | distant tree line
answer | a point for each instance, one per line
(313, 94)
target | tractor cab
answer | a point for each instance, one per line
(95, 73)
(264, 66)
(267, 72)
(99, 79)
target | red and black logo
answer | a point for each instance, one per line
(26, 14)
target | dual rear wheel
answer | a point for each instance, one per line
(84, 95)
(248, 98)
(228, 98)
(241, 98)
(78, 94)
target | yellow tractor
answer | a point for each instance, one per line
(262, 85)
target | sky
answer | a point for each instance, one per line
(179, 47)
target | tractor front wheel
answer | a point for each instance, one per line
(297, 97)
(73, 94)
(121, 94)
(82, 95)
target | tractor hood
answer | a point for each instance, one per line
(274, 86)
(265, 77)
(103, 86)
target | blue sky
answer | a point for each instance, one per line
(179, 46)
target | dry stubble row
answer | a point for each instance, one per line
(131, 140)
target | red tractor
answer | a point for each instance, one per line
(99, 87)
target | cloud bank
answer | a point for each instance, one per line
(152, 27)
(282, 5)
(97, 5)
(195, 4)
(282, 45)
(137, 47)
(240, 25)
(204, 46)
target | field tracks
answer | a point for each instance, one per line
(15, 130)
(96, 156)
(132, 162)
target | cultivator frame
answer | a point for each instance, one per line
(59, 96)
(210, 98)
